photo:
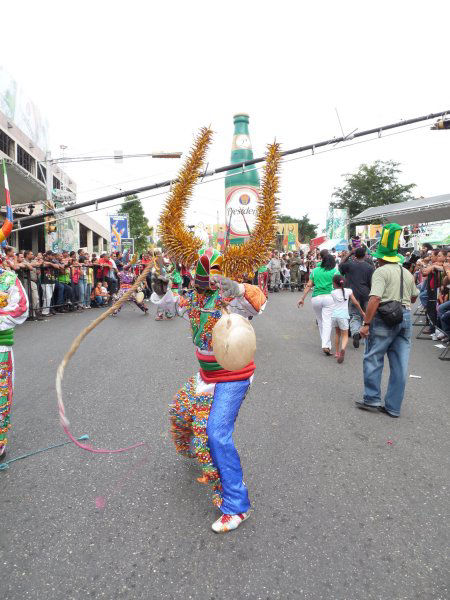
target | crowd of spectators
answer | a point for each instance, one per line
(59, 282)
(430, 267)
(291, 270)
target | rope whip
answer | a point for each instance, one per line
(71, 352)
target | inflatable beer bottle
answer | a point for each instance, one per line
(241, 186)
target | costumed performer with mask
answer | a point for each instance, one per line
(13, 311)
(206, 407)
(126, 280)
(162, 295)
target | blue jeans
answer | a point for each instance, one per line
(443, 317)
(87, 294)
(75, 292)
(423, 296)
(81, 290)
(227, 401)
(355, 319)
(99, 300)
(63, 293)
(396, 343)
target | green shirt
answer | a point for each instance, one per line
(322, 280)
(386, 284)
(64, 277)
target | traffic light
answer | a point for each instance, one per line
(51, 226)
(441, 124)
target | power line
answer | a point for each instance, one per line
(202, 182)
(242, 165)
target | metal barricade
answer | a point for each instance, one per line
(59, 288)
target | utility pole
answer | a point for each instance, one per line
(49, 194)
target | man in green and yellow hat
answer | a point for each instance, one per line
(387, 282)
(388, 245)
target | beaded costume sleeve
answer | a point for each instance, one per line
(252, 303)
(15, 311)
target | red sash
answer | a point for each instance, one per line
(222, 375)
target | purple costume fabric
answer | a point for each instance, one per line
(126, 279)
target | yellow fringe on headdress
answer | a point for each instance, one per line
(247, 258)
(180, 244)
(239, 261)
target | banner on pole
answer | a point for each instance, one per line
(287, 236)
(336, 227)
(127, 244)
(118, 229)
(61, 235)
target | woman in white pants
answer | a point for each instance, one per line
(321, 282)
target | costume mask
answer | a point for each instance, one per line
(209, 263)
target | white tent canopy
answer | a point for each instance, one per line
(422, 210)
(336, 243)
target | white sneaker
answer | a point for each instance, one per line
(229, 522)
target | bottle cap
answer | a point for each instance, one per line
(241, 118)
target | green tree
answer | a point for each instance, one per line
(372, 185)
(139, 227)
(306, 230)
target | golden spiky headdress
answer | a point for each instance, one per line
(238, 261)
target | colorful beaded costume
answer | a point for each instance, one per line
(205, 408)
(126, 279)
(13, 311)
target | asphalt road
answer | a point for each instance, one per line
(347, 505)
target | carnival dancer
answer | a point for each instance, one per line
(263, 280)
(126, 279)
(206, 407)
(162, 295)
(175, 286)
(13, 311)
(176, 279)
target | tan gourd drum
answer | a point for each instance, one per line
(234, 342)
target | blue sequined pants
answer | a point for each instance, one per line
(228, 398)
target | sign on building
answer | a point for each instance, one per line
(19, 109)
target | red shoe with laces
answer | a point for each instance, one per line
(229, 522)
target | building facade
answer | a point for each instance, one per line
(28, 166)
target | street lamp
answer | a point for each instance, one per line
(441, 124)
(118, 156)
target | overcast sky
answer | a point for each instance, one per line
(144, 76)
